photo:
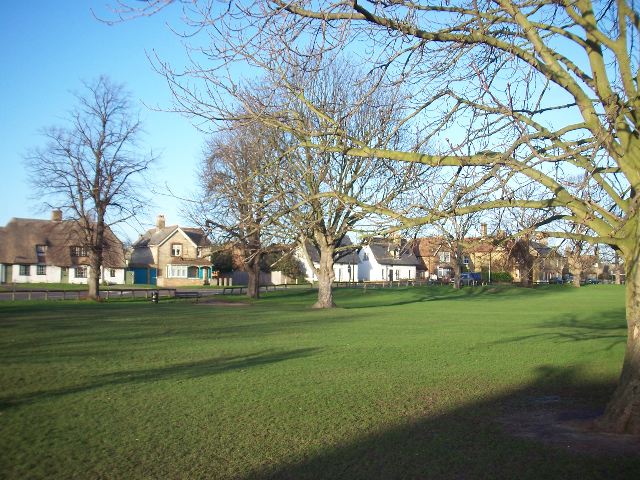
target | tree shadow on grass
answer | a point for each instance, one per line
(386, 297)
(523, 434)
(606, 325)
(201, 368)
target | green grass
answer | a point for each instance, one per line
(402, 383)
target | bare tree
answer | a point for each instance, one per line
(237, 195)
(89, 167)
(324, 193)
(530, 90)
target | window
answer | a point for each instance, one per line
(444, 257)
(176, 249)
(41, 270)
(112, 272)
(466, 260)
(383, 274)
(397, 274)
(365, 257)
(81, 272)
(77, 251)
(192, 272)
(443, 272)
(176, 271)
(24, 270)
(41, 251)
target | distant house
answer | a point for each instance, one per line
(170, 256)
(383, 259)
(52, 251)
(436, 259)
(345, 266)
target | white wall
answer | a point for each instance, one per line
(53, 274)
(340, 270)
(120, 276)
(372, 271)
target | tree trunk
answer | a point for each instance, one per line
(325, 278)
(622, 414)
(94, 278)
(457, 281)
(253, 285)
(96, 261)
(577, 273)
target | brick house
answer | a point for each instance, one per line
(171, 256)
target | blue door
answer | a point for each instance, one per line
(153, 279)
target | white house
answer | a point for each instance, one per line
(345, 266)
(52, 251)
(385, 259)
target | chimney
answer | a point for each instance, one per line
(483, 229)
(160, 224)
(56, 215)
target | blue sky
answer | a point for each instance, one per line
(46, 49)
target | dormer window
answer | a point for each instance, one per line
(78, 251)
(176, 249)
(444, 257)
(41, 251)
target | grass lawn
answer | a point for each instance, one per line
(403, 383)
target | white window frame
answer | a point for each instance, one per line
(79, 251)
(41, 269)
(444, 257)
(112, 272)
(177, 271)
(443, 272)
(176, 249)
(80, 272)
(466, 259)
(24, 270)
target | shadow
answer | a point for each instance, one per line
(523, 434)
(206, 367)
(607, 325)
(386, 297)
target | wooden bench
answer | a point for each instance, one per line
(188, 295)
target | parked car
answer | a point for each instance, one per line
(470, 278)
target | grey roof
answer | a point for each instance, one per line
(18, 240)
(383, 248)
(542, 249)
(344, 254)
(155, 236)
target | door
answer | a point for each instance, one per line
(8, 274)
(154, 277)
(64, 275)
